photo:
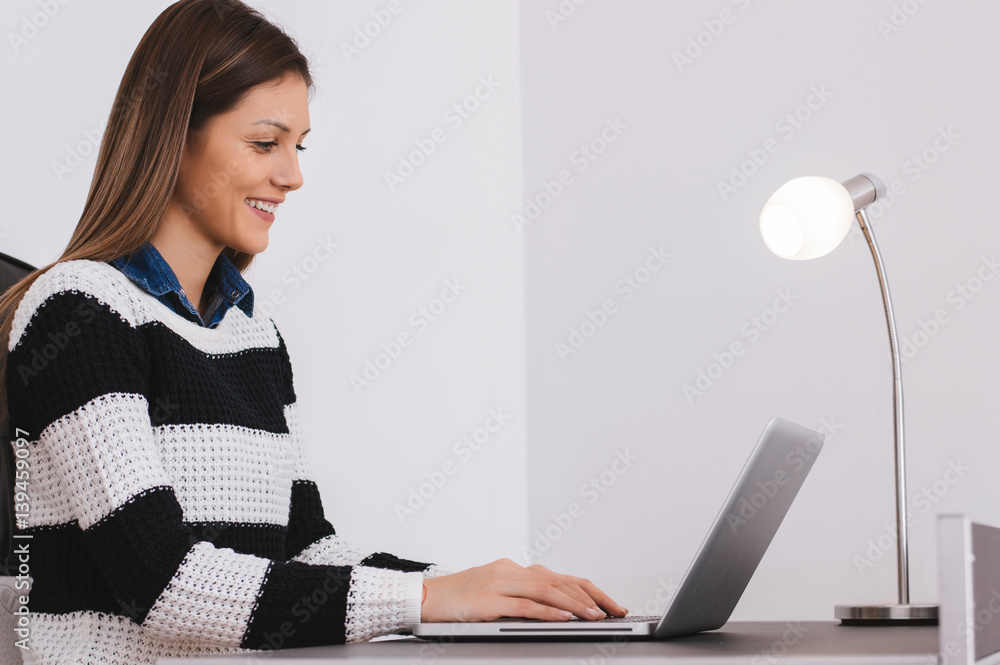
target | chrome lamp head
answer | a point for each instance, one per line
(809, 217)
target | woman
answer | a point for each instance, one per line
(173, 511)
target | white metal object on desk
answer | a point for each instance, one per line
(969, 591)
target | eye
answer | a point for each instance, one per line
(267, 146)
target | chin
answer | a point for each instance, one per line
(251, 245)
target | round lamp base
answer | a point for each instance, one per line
(887, 615)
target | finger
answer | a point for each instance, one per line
(575, 591)
(552, 592)
(593, 596)
(602, 599)
(570, 584)
(529, 609)
(568, 588)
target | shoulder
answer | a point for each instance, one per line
(98, 287)
(96, 279)
(84, 290)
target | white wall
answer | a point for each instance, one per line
(682, 131)
(882, 99)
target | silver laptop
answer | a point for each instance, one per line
(716, 579)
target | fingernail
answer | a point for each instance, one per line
(565, 615)
(595, 613)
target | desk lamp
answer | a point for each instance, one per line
(807, 218)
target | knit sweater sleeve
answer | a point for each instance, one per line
(114, 535)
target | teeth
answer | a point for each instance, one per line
(260, 205)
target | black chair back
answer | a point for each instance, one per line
(11, 272)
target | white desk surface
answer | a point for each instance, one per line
(755, 643)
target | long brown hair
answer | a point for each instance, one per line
(196, 60)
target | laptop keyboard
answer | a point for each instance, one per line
(628, 619)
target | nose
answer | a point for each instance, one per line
(287, 174)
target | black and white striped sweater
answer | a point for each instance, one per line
(172, 510)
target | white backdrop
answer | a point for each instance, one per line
(591, 212)
(724, 101)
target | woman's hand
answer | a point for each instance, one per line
(505, 589)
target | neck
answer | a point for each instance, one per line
(189, 254)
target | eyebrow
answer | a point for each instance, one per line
(283, 127)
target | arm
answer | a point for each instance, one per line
(312, 539)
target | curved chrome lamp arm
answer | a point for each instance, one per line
(902, 556)
(864, 190)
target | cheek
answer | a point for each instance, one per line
(206, 188)
(248, 175)
(242, 169)
(225, 174)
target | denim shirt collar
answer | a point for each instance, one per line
(150, 271)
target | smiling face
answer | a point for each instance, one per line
(239, 162)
